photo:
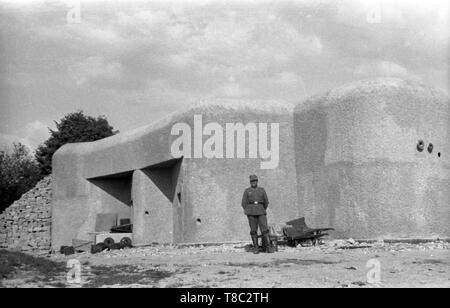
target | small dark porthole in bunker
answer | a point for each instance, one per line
(420, 145)
(430, 148)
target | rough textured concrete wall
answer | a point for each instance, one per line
(25, 225)
(153, 212)
(358, 168)
(214, 187)
(77, 200)
(348, 160)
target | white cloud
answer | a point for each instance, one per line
(97, 34)
(381, 68)
(31, 135)
(181, 60)
(96, 70)
(7, 140)
(232, 89)
(286, 85)
(143, 17)
(144, 56)
(441, 30)
(35, 133)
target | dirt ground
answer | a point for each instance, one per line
(336, 264)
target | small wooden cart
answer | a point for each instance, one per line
(297, 232)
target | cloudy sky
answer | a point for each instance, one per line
(135, 62)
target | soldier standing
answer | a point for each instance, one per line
(255, 203)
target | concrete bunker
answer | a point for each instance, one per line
(175, 199)
(356, 159)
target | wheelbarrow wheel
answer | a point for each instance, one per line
(108, 242)
(291, 243)
(308, 243)
(125, 242)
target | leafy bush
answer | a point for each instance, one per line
(74, 127)
(19, 172)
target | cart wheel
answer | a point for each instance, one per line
(108, 242)
(125, 242)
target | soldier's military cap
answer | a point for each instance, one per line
(253, 178)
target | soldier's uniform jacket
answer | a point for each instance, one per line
(255, 201)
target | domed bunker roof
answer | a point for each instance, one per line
(374, 119)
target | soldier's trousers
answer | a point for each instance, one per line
(255, 221)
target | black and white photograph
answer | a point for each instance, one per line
(222, 150)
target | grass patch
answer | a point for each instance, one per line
(12, 261)
(124, 275)
(303, 262)
(355, 247)
(281, 262)
(429, 261)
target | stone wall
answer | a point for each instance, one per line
(25, 225)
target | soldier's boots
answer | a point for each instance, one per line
(255, 244)
(267, 244)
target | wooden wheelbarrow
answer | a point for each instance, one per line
(297, 232)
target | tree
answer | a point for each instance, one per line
(19, 172)
(74, 127)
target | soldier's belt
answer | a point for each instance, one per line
(256, 202)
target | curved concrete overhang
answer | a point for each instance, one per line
(150, 145)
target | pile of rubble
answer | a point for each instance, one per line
(172, 250)
(326, 246)
(25, 225)
(397, 245)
